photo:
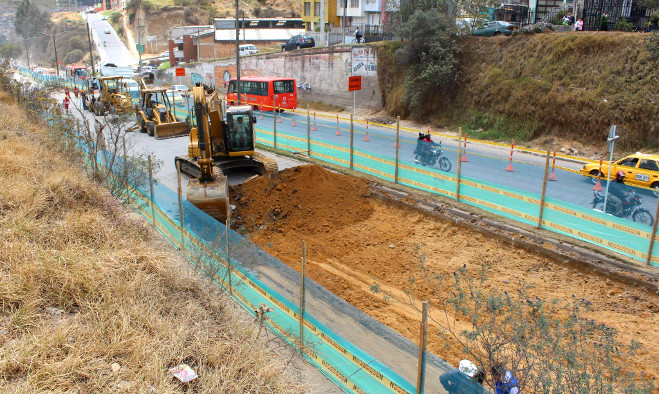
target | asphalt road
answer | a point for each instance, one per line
(109, 46)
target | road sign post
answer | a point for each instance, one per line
(180, 72)
(611, 141)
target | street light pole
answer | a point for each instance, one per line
(56, 62)
(238, 92)
(91, 54)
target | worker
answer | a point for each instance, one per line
(75, 91)
(66, 102)
(240, 132)
(66, 91)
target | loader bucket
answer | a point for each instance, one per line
(170, 130)
(210, 197)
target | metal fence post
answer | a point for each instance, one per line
(544, 188)
(308, 132)
(351, 140)
(457, 178)
(180, 206)
(303, 273)
(153, 212)
(226, 235)
(274, 132)
(423, 340)
(397, 146)
(654, 233)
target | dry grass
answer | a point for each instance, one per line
(83, 286)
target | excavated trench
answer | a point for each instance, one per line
(358, 235)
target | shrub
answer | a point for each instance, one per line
(73, 57)
(623, 25)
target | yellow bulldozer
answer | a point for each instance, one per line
(112, 96)
(221, 140)
(155, 114)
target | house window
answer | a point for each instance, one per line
(316, 6)
(354, 3)
(307, 9)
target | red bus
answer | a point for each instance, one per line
(80, 72)
(263, 93)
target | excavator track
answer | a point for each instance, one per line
(269, 165)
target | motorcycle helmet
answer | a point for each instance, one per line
(421, 135)
(620, 174)
(428, 136)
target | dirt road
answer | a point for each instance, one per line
(354, 240)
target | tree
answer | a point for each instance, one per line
(30, 20)
(429, 49)
(10, 50)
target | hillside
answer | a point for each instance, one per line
(93, 300)
(569, 85)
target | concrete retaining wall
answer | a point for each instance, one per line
(321, 73)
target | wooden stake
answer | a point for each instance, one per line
(351, 141)
(180, 207)
(303, 273)
(123, 138)
(457, 178)
(308, 132)
(654, 233)
(423, 339)
(397, 146)
(153, 212)
(544, 188)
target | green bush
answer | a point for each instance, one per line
(73, 57)
(115, 17)
(77, 42)
(623, 25)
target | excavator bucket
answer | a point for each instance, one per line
(171, 130)
(209, 196)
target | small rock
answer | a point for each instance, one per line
(506, 281)
(115, 367)
(391, 246)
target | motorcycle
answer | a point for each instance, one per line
(631, 207)
(431, 157)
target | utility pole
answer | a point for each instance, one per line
(27, 53)
(56, 62)
(238, 92)
(91, 54)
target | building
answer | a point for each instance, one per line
(311, 14)
(194, 43)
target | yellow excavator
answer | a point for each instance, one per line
(111, 96)
(155, 114)
(222, 139)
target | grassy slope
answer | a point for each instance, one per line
(573, 85)
(83, 286)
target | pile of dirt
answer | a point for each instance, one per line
(354, 240)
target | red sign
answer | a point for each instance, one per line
(180, 71)
(354, 83)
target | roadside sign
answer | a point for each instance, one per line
(180, 71)
(610, 141)
(139, 47)
(354, 83)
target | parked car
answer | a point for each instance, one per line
(247, 49)
(182, 89)
(640, 169)
(297, 42)
(495, 28)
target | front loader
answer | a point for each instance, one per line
(155, 114)
(111, 97)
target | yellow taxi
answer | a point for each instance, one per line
(640, 170)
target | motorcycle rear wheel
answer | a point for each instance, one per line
(444, 164)
(643, 216)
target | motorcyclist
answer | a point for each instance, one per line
(427, 145)
(103, 42)
(618, 191)
(419, 146)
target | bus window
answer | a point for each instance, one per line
(285, 86)
(232, 87)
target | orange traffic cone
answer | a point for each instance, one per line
(314, 128)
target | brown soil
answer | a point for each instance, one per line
(354, 240)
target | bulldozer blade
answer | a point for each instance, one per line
(209, 196)
(171, 130)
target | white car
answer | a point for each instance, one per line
(107, 30)
(181, 89)
(247, 49)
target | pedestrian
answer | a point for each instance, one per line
(83, 97)
(66, 102)
(504, 380)
(579, 25)
(358, 35)
(76, 91)
(604, 21)
(66, 91)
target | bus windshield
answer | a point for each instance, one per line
(284, 86)
(81, 73)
